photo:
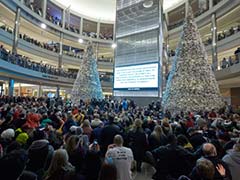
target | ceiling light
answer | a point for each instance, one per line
(80, 40)
(44, 26)
(114, 45)
(148, 3)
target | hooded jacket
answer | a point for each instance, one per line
(232, 159)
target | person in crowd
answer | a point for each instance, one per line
(210, 153)
(13, 164)
(87, 129)
(137, 141)
(172, 161)
(108, 133)
(157, 138)
(108, 172)
(224, 63)
(122, 158)
(55, 124)
(237, 55)
(60, 167)
(184, 142)
(204, 170)
(96, 121)
(75, 152)
(232, 159)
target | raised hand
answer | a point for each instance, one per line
(221, 169)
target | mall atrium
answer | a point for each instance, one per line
(182, 55)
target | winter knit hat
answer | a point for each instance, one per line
(22, 138)
(8, 134)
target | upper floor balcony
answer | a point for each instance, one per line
(176, 16)
(52, 55)
(58, 18)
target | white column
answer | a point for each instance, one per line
(81, 26)
(16, 30)
(210, 4)
(44, 8)
(98, 29)
(19, 89)
(39, 92)
(214, 42)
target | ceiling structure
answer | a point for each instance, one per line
(103, 9)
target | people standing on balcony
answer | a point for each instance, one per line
(224, 63)
(237, 55)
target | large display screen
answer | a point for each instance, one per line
(136, 77)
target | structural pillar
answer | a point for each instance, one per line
(16, 30)
(44, 8)
(186, 6)
(10, 87)
(60, 57)
(81, 27)
(39, 92)
(97, 44)
(63, 18)
(98, 29)
(19, 89)
(58, 91)
(210, 4)
(214, 42)
(1, 89)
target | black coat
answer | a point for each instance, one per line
(137, 141)
(107, 135)
(172, 161)
(215, 160)
(155, 143)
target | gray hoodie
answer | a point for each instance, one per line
(232, 159)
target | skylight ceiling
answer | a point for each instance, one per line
(103, 9)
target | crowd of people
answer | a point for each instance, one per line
(53, 139)
(25, 62)
(231, 60)
(70, 27)
(30, 4)
(48, 46)
(223, 34)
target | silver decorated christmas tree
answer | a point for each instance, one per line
(87, 84)
(191, 84)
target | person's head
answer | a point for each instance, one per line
(205, 169)
(108, 172)
(209, 150)
(86, 123)
(157, 132)
(13, 164)
(72, 143)
(182, 140)
(59, 161)
(172, 139)
(138, 123)
(118, 140)
(8, 134)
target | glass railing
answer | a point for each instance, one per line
(223, 35)
(54, 47)
(25, 62)
(231, 60)
(196, 14)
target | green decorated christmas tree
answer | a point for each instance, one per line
(87, 84)
(191, 85)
